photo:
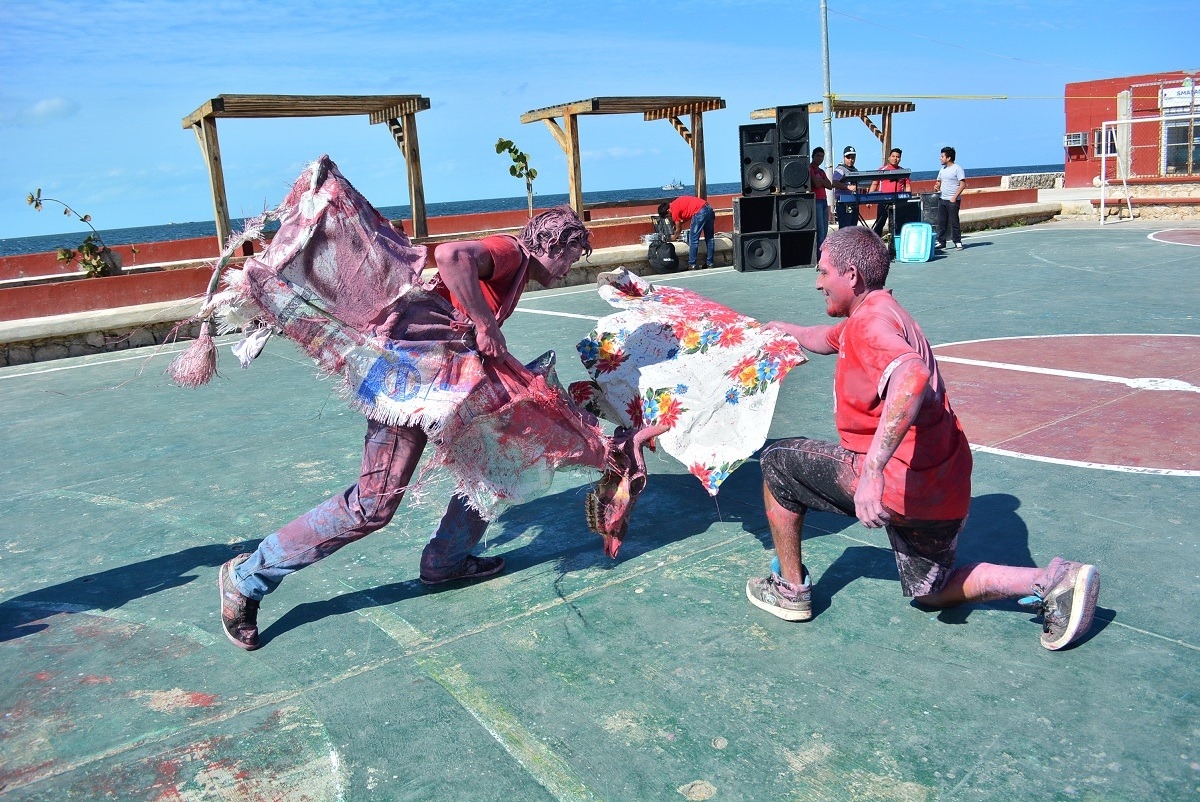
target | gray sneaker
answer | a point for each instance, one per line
(1066, 598)
(473, 569)
(770, 593)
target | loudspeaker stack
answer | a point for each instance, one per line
(775, 220)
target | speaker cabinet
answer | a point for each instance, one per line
(754, 215)
(759, 150)
(754, 252)
(796, 212)
(775, 250)
(794, 175)
(792, 122)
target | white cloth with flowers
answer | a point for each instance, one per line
(677, 358)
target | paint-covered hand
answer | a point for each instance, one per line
(490, 342)
(868, 500)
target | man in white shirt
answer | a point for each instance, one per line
(951, 182)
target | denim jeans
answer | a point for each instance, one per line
(703, 222)
(390, 457)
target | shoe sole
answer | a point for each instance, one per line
(233, 640)
(1087, 588)
(779, 612)
(472, 578)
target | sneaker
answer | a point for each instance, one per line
(1066, 599)
(708, 267)
(958, 246)
(239, 613)
(473, 569)
(770, 593)
(691, 267)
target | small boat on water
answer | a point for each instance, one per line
(675, 185)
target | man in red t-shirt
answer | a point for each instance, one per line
(903, 461)
(702, 219)
(888, 185)
(483, 279)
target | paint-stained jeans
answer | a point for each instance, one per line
(390, 457)
(805, 474)
(703, 222)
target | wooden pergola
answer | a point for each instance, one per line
(651, 108)
(862, 109)
(398, 111)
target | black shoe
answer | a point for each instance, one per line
(473, 569)
(239, 613)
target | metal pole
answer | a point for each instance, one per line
(828, 121)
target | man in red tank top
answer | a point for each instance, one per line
(902, 463)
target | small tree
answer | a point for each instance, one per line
(519, 168)
(94, 256)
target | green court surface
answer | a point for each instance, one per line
(576, 677)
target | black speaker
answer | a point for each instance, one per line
(753, 215)
(775, 250)
(796, 212)
(792, 122)
(794, 175)
(754, 252)
(759, 150)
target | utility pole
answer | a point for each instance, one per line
(828, 95)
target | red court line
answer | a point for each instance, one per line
(1177, 236)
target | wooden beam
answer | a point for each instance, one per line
(574, 171)
(206, 135)
(682, 129)
(559, 136)
(870, 125)
(697, 144)
(416, 183)
(308, 106)
(887, 136)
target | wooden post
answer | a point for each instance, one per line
(574, 173)
(698, 155)
(206, 135)
(887, 135)
(416, 183)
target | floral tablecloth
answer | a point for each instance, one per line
(677, 358)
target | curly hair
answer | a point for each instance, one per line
(861, 247)
(556, 229)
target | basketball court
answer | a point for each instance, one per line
(1072, 355)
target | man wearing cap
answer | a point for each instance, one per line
(847, 213)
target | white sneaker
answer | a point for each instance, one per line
(958, 246)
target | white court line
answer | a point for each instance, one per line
(1055, 460)
(1099, 466)
(1153, 235)
(591, 318)
(1137, 384)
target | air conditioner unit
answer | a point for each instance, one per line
(1075, 140)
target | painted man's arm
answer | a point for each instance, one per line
(813, 339)
(901, 402)
(461, 265)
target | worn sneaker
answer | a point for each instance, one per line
(770, 593)
(473, 569)
(1066, 599)
(239, 613)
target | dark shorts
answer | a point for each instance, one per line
(805, 474)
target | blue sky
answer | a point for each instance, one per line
(92, 94)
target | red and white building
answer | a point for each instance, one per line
(1163, 148)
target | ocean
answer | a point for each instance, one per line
(206, 228)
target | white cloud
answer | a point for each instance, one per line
(46, 111)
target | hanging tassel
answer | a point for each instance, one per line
(197, 365)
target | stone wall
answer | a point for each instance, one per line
(96, 342)
(1031, 181)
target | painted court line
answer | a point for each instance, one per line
(1153, 235)
(1137, 384)
(1100, 466)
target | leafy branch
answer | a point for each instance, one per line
(519, 168)
(95, 258)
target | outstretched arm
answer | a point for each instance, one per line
(461, 265)
(901, 402)
(813, 339)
